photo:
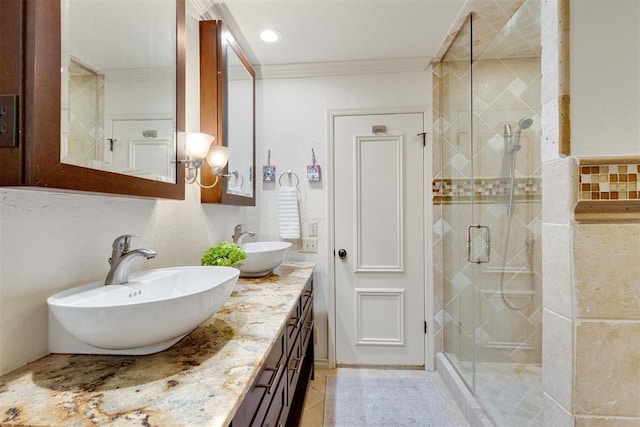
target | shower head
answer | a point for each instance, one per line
(522, 124)
(525, 123)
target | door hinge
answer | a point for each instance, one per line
(424, 138)
(425, 326)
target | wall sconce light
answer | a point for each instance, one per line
(198, 147)
(217, 158)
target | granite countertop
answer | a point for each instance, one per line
(200, 381)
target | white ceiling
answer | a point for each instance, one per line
(107, 34)
(320, 31)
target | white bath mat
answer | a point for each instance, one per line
(370, 402)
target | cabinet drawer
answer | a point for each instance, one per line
(256, 402)
(296, 359)
(307, 296)
(306, 332)
(294, 324)
(297, 317)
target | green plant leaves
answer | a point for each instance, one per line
(224, 254)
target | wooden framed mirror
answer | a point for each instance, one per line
(37, 160)
(227, 111)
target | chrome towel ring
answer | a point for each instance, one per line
(289, 173)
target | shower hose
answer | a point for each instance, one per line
(530, 243)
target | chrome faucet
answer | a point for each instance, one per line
(121, 257)
(238, 234)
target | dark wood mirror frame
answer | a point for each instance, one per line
(30, 49)
(213, 112)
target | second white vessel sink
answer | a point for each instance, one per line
(150, 313)
(263, 257)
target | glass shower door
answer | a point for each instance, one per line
(453, 184)
(506, 100)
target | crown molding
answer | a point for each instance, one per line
(199, 9)
(210, 9)
(337, 68)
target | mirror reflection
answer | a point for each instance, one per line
(239, 125)
(119, 86)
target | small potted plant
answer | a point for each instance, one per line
(224, 254)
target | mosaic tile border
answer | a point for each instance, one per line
(609, 182)
(608, 189)
(485, 190)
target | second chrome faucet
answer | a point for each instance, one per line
(238, 234)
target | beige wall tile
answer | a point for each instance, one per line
(557, 269)
(608, 368)
(548, 21)
(558, 191)
(550, 79)
(607, 422)
(554, 414)
(557, 358)
(550, 139)
(438, 341)
(607, 262)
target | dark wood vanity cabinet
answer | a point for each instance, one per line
(276, 397)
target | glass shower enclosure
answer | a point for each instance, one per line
(489, 189)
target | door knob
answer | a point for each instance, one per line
(342, 254)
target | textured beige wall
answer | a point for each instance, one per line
(558, 201)
(591, 271)
(607, 363)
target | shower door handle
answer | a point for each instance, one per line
(487, 241)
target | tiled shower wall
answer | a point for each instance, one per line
(591, 274)
(510, 91)
(86, 115)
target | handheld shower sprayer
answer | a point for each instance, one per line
(507, 132)
(511, 144)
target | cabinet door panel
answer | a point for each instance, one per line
(278, 409)
(256, 402)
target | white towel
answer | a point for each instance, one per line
(288, 215)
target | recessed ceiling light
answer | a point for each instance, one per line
(270, 35)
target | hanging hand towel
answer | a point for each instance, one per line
(288, 215)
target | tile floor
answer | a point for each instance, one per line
(511, 393)
(313, 414)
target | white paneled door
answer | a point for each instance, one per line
(379, 239)
(141, 147)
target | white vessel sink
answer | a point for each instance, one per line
(149, 314)
(262, 257)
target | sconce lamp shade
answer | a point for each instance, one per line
(217, 158)
(197, 145)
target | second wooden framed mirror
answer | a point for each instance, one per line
(227, 111)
